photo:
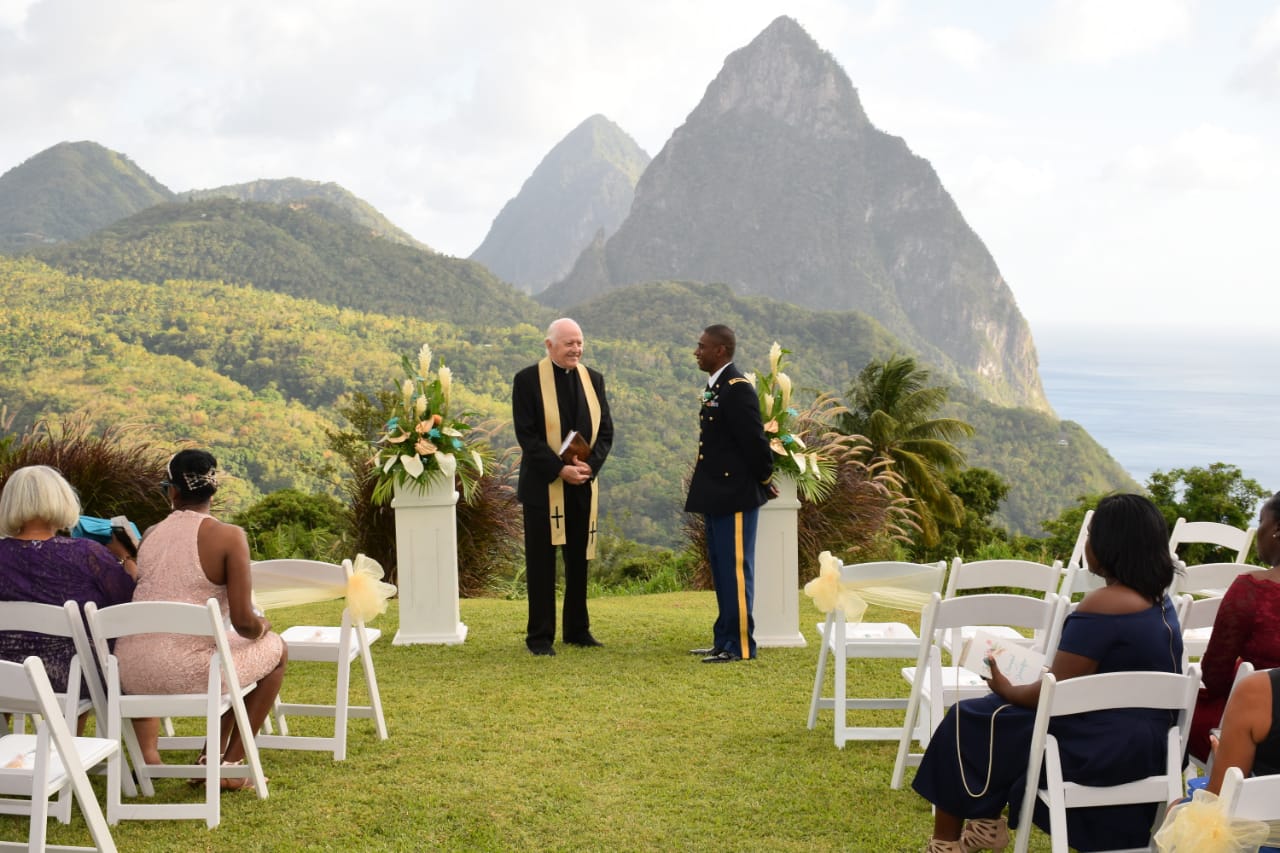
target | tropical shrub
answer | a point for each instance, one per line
(293, 524)
(116, 470)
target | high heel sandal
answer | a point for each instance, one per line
(988, 833)
(937, 845)
(238, 783)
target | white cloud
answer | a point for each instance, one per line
(1206, 157)
(1260, 70)
(1004, 181)
(13, 13)
(961, 46)
(1099, 31)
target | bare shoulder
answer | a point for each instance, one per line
(1115, 599)
(221, 531)
(1255, 690)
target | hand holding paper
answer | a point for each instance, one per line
(1018, 663)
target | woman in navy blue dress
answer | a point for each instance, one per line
(1129, 624)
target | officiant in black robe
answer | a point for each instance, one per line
(559, 496)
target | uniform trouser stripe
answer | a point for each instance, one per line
(739, 556)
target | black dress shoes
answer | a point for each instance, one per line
(542, 651)
(702, 653)
(586, 641)
(721, 657)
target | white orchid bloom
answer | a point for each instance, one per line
(420, 406)
(424, 361)
(775, 356)
(406, 388)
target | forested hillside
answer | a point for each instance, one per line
(311, 250)
(67, 191)
(291, 190)
(256, 375)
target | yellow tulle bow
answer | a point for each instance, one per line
(829, 592)
(289, 586)
(367, 593)
(1203, 826)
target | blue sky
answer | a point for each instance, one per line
(1120, 158)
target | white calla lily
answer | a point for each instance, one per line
(448, 464)
(413, 465)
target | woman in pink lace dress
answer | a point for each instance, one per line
(192, 557)
(1247, 629)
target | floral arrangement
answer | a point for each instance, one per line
(813, 473)
(423, 440)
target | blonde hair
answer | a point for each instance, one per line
(37, 491)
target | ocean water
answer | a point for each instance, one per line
(1158, 399)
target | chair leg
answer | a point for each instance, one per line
(819, 675)
(371, 683)
(340, 708)
(277, 711)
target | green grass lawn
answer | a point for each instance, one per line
(634, 746)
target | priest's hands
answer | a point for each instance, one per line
(577, 473)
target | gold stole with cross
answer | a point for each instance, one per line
(551, 416)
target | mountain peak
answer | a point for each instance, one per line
(583, 187)
(778, 185)
(69, 190)
(786, 75)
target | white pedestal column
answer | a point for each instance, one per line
(427, 560)
(776, 606)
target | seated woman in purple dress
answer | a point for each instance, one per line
(976, 762)
(36, 564)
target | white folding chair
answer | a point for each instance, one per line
(1155, 690)
(1078, 580)
(935, 687)
(33, 768)
(65, 623)
(1196, 767)
(1212, 533)
(1207, 578)
(338, 644)
(1196, 616)
(986, 574)
(866, 640)
(1254, 798)
(223, 692)
(1076, 577)
(1077, 557)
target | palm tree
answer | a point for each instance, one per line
(892, 404)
